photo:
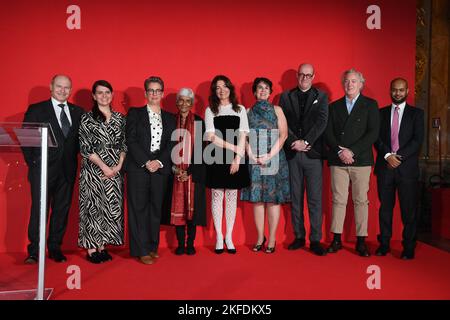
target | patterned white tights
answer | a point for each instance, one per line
(230, 215)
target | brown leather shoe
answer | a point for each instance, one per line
(147, 260)
(154, 254)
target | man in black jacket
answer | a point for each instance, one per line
(353, 127)
(64, 119)
(397, 166)
(306, 111)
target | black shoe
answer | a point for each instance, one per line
(382, 250)
(270, 249)
(297, 244)
(179, 250)
(258, 247)
(57, 256)
(105, 255)
(317, 248)
(335, 246)
(232, 251)
(95, 257)
(219, 250)
(190, 250)
(362, 250)
(31, 259)
(407, 254)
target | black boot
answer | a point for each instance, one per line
(191, 231)
(336, 245)
(181, 240)
(361, 247)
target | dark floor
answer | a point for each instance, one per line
(429, 238)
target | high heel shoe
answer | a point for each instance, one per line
(232, 251)
(219, 250)
(258, 247)
(270, 249)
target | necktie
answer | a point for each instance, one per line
(394, 130)
(65, 124)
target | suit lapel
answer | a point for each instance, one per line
(164, 125)
(309, 102)
(359, 103)
(59, 136)
(293, 98)
(405, 120)
(74, 119)
(386, 118)
(145, 116)
(341, 111)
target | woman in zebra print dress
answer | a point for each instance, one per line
(102, 146)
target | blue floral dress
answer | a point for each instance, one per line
(269, 183)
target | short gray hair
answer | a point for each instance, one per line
(186, 92)
(353, 70)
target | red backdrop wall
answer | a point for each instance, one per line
(187, 43)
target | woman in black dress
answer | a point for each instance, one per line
(226, 127)
(102, 146)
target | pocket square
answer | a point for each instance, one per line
(315, 101)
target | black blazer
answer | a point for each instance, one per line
(410, 139)
(138, 139)
(65, 155)
(314, 121)
(357, 131)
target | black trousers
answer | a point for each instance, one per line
(59, 198)
(181, 233)
(145, 192)
(306, 173)
(389, 183)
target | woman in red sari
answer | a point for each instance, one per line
(188, 205)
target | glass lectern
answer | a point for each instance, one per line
(38, 135)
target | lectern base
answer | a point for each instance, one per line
(24, 294)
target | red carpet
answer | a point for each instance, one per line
(290, 275)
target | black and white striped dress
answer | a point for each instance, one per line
(101, 200)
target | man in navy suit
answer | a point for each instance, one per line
(397, 166)
(353, 127)
(64, 119)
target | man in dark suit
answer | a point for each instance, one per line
(306, 111)
(397, 167)
(353, 127)
(64, 118)
(149, 166)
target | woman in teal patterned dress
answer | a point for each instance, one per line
(269, 171)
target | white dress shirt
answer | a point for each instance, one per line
(58, 110)
(156, 129)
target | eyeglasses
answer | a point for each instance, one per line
(152, 91)
(306, 76)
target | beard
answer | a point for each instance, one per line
(398, 101)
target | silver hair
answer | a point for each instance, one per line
(352, 70)
(186, 92)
